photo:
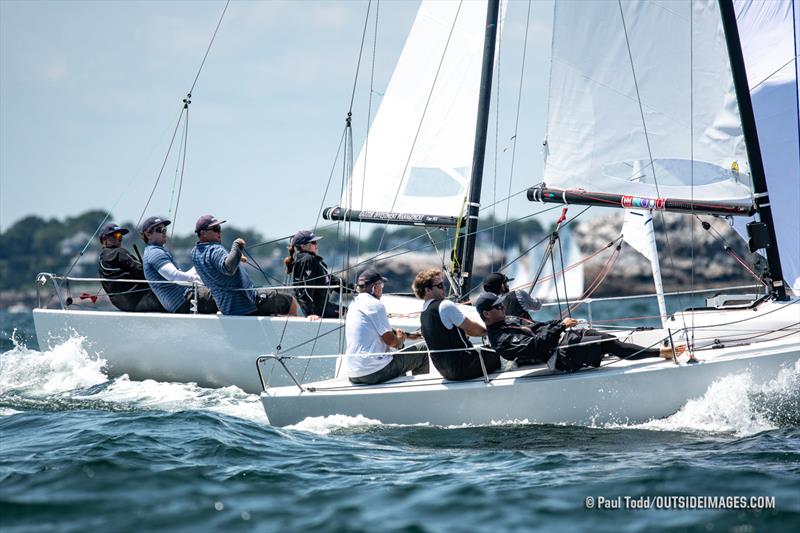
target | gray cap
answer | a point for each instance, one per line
(486, 301)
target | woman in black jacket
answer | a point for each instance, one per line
(305, 268)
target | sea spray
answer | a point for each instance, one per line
(66, 376)
(65, 367)
(735, 404)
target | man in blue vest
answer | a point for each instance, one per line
(160, 267)
(232, 288)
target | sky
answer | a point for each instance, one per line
(90, 94)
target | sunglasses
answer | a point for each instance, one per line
(159, 230)
(117, 235)
(497, 306)
(215, 229)
(438, 286)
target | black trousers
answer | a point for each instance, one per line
(460, 366)
(572, 356)
(205, 303)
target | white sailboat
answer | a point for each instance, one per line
(639, 84)
(420, 146)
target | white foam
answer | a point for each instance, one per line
(323, 425)
(735, 404)
(65, 367)
(68, 371)
(174, 397)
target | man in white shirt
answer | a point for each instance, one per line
(368, 332)
(447, 332)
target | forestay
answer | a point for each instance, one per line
(643, 91)
(418, 154)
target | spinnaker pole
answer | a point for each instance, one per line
(762, 234)
(467, 251)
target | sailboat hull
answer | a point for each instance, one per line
(625, 392)
(210, 350)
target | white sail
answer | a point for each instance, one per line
(637, 231)
(418, 154)
(647, 84)
(770, 35)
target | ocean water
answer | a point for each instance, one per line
(82, 452)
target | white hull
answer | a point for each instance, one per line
(210, 350)
(624, 392)
(752, 339)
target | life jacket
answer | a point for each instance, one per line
(438, 337)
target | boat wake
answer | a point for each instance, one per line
(67, 377)
(735, 404)
(324, 425)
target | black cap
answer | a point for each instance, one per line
(368, 277)
(494, 282)
(486, 301)
(205, 222)
(304, 237)
(110, 228)
(151, 222)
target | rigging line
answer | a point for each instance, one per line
(175, 176)
(330, 179)
(563, 276)
(691, 150)
(422, 118)
(496, 84)
(765, 80)
(183, 170)
(203, 62)
(647, 141)
(380, 255)
(360, 53)
(369, 117)
(516, 120)
(163, 164)
(555, 285)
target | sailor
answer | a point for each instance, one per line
(159, 265)
(552, 343)
(306, 268)
(447, 331)
(368, 331)
(220, 271)
(518, 302)
(117, 263)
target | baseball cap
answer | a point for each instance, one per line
(368, 277)
(494, 281)
(150, 222)
(304, 237)
(110, 228)
(486, 301)
(205, 222)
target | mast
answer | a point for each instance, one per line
(762, 234)
(467, 252)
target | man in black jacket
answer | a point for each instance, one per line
(517, 302)
(550, 342)
(117, 263)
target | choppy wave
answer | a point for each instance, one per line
(735, 404)
(67, 376)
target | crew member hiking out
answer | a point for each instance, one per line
(117, 263)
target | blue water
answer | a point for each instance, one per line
(80, 452)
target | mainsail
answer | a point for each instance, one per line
(642, 103)
(418, 155)
(770, 34)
